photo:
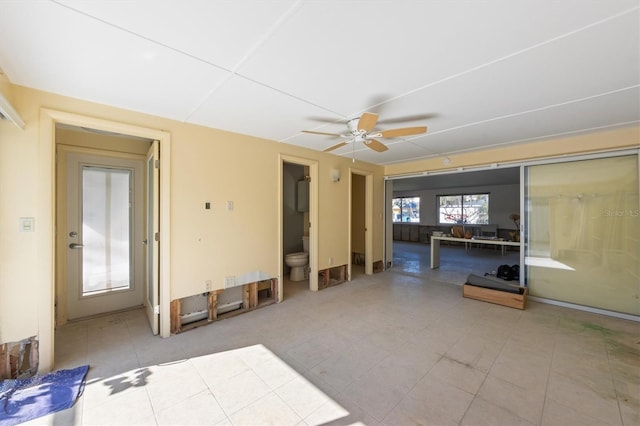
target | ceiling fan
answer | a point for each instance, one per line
(361, 130)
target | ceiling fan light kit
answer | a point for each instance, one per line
(361, 130)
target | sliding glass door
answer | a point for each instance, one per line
(583, 232)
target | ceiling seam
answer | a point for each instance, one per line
(497, 145)
(586, 98)
(199, 59)
(234, 71)
(516, 114)
(150, 40)
(511, 55)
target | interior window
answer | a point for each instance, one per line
(463, 209)
(406, 209)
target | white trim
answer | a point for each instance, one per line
(519, 163)
(388, 225)
(46, 192)
(585, 308)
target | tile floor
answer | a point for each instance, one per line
(397, 348)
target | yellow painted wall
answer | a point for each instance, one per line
(17, 199)
(206, 165)
(624, 138)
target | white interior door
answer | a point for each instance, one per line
(104, 222)
(152, 240)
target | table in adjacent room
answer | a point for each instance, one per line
(435, 246)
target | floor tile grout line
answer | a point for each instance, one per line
(613, 381)
(407, 395)
(197, 370)
(475, 396)
(146, 388)
(553, 352)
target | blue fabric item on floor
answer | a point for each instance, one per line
(22, 400)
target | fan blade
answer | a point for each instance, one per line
(375, 145)
(331, 148)
(367, 121)
(406, 131)
(321, 133)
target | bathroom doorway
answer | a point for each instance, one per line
(298, 207)
(295, 219)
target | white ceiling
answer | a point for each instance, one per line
(477, 73)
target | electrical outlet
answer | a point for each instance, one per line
(229, 281)
(207, 285)
(330, 261)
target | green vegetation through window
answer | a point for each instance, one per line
(406, 209)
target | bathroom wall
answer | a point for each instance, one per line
(293, 220)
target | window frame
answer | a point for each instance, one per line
(462, 206)
(402, 198)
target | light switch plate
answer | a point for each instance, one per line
(27, 224)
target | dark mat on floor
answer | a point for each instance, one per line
(492, 283)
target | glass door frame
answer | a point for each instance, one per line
(524, 276)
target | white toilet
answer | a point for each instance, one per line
(298, 261)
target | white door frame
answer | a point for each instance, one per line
(152, 228)
(72, 283)
(368, 219)
(45, 235)
(388, 224)
(313, 219)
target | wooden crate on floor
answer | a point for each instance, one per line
(504, 298)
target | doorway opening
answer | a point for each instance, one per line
(298, 222)
(102, 213)
(432, 211)
(48, 245)
(360, 223)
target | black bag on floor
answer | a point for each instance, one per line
(516, 272)
(505, 272)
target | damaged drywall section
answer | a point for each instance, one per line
(19, 360)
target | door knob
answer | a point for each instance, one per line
(75, 245)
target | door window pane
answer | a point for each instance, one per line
(106, 230)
